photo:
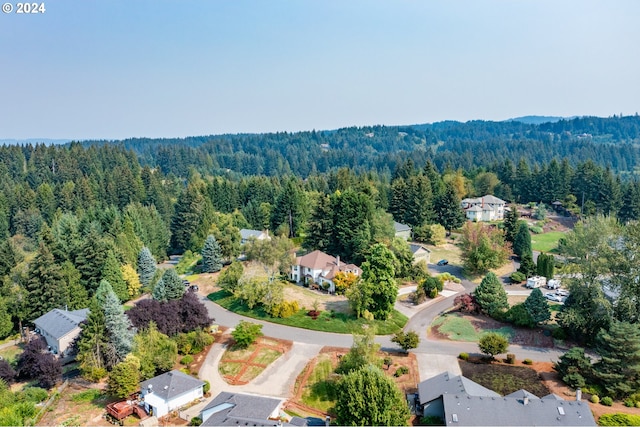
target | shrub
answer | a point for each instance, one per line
(607, 401)
(629, 403)
(517, 277)
(619, 419)
(246, 333)
(195, 421)
(527, 362)
(464, 356)
(401, 371)
(559, 334)
(284, 309)
(206, 387)
(433, 293)
(419, 296)
(595, 398)
(431, 420)
(536, 230)
(511, 358)
(186, 359)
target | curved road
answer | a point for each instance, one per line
(419, 322)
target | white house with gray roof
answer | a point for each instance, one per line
(60, 327)
(462, 402)
(402, 230)
(233, 409)
(246, 235)
(485, 208)
(170, 391)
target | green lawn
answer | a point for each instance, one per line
(546, 242)
(460, 329)
(327, 322)
(10, 354)
(319, 390)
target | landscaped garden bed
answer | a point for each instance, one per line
(241, 366)
(504, 379)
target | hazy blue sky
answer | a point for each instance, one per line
(121, 68)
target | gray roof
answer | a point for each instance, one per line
(522, 393)
(171, 384)
(400, 227)
(237, 409)
(447, 383)
(415, 247)
(59, 323)
(508, 411)
(552, 396)
(246, 233)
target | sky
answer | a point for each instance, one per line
(114, 69)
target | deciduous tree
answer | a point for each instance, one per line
(483, 248)
(245, 333)
(492, 343)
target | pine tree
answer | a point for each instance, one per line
(159, 292)
(187, 219)
(119, 329)
(211, 255)
(546, 265)
(146, 266)
(92, 257)
(522, 240)
(320, 226)
(75, 295)
(619, 367)
(45, 283)
(511, 224)
(537, 306)
(527, 266)
(113, 274)
(92, 344)
(448, 212)
(490, 295)
(173, 286)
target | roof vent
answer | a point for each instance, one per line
(560, 410)
(454, 417)
(166, 387)
(525, 400)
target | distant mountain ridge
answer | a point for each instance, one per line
(46, 141)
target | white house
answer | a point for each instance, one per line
(402, 230)
(486, 208)
(320, 268)
(420, 253)
(60, 327)
(246, 234)
(169, 391)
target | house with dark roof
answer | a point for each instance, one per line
(319, 268)
(169, 391)
(485, 208)
(60, 327)
(458, 401)
(403, 231)
(246, 235)
(233, 409)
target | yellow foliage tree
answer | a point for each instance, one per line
(132, 279)
(343, 281)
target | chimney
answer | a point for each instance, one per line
(578, 394)
(525, 400)
(150, 389)
(327, 421)
(338, 262)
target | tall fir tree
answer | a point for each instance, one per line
(92, 344)
(490, 295)
(45, 283)
(618, 369)
(522, 240)
(537, 307)
(448, 212)
(511, 217)
(546, 265)
(113, 274)
(159, 292)
(92, 257)
(211, 255)
(187, 218)
(320, 226)
(146, 266)
(75, 295)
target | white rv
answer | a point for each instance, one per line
(553, 284)
(536, 282)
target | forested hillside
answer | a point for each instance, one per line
(73, 215)
(382, 148)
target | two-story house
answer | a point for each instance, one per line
(320, 268)
(486, 208)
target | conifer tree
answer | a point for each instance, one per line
(75, 295)
(527, 266)
(159, 291)
(490, 295)
(113, 274)
(448, 211)
(45, 283)
(187, 218)
(92, 344)
(619, 367)
(119, 328)
(146, 266)
(173, 286)
(511, 224)
(537, 306)
(91, 259)
(522, 240)
(211, 255)
(546, 265)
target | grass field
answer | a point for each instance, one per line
(341, 323)
(10, 354)
(460, 329)
(546, 242)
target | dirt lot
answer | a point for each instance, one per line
(407, 382)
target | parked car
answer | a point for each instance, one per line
(186, 282)
(553, 297)
(562, 292)
(194, 288)
(443, 262)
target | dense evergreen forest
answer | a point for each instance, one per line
(73, 215)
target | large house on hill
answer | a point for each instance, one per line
(461, 402)
(486, 208)
(320, 268)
